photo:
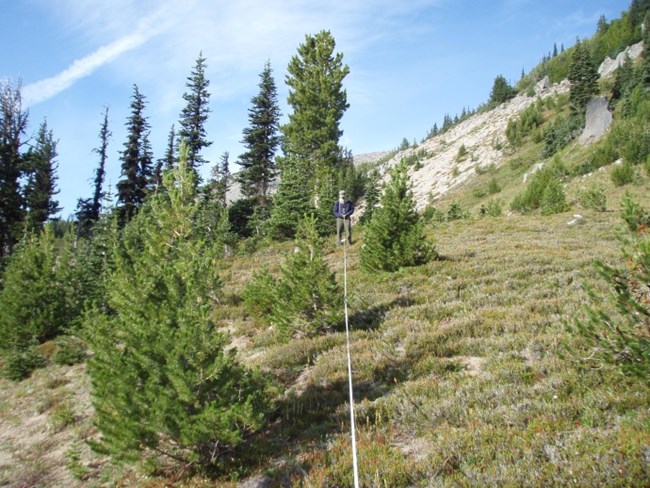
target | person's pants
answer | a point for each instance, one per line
(344, 224)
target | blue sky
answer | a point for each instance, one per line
(411, 62)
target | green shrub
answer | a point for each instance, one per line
(593, 198)
(531, 198)
(635, 216)
(20, 363)
(553, 198)
(462, 153)
(494, 208)
(455, 212)
(560, 133)
(493, 186)
(70, 350)
(622, 174)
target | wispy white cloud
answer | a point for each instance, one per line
(45, 89)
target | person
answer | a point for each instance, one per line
(343, 208)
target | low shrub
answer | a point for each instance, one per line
(593, 198)
(622, 174)
(21, 363)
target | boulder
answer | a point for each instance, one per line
(597, 121)
(543, 85)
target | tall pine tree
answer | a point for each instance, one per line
(131, 189)
(195, 114)
(310, 140)
(13, 124)
(261, 140)
(164, 380)
(583, 75)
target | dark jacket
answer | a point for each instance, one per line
(344, 210)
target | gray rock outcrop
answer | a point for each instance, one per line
(597, 121)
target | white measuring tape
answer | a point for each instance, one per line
(347, 334)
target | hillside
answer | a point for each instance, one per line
(465, 371)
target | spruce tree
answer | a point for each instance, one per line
(195, 114)
(13, 124)
(100, 173)
(394, 237)
(583, 75)
(164, 380)
(40, 188)
(260, 140)
(135, 172)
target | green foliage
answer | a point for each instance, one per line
(394, 237)
(462, 153)
(373, 193)
(163, 380)
(455, 212)
(620, 337)
(316, 95)
(530, 119)
(493, 186)
(583, 76)
(291, 201)
(622, 174)
(70, 350)
(636, 217)
(40, 188)
(593, 198)
(502, 91)
(20, 363)
(260, 139)
(494, 208)
(536, 194)
(136, 160)
(13, 125)
(194, 115)
(553, 198)
(305, 299)
(32, 301)
(562, 131)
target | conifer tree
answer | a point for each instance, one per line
(89, 209)
(583, 75)
(501, 91)
(261, 140)
(316, 95)
(13, 123)
(165, 163)
(195, 114)
(310, 140)
(136, 160)
(372, 196)
(305, 299)
(32, 302)
(291, 202)
(100, 173)
(163, 379)
(394, 238)
(40, 188)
